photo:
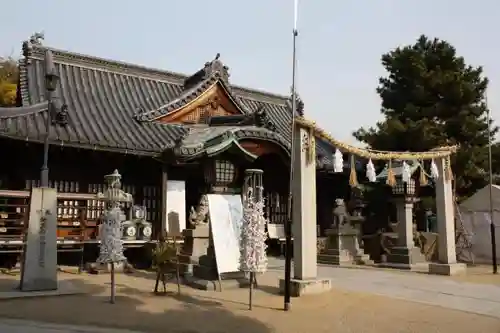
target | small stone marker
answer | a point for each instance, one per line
(39, 270)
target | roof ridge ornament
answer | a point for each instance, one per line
(35, 39)
(211, 69)
(299, 103)
(261, 119)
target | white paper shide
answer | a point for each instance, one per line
(111, 248)
(253, 256)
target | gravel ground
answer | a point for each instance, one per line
(197, 311)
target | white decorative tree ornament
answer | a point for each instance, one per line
(338, 161)
(370, 171)
(253, 257)
(111, 247)
(406, 175)
(434, 170)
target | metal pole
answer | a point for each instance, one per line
(250, 291)
(113, 284)
(44, 171)
(492, 219)
(288, 223)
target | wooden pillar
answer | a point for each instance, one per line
(164, 212)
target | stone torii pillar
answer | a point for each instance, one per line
(305, 279)
(445, 209)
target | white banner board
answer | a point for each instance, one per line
(176, 207)
(226, 217)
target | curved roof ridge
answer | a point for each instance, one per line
(188, 96)
(184, 98)
(76, 58)
(13, 112)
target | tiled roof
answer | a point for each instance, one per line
(109, 101)
(397, 169)
(201, 138)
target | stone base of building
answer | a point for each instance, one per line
(418, 267)
(344, 258)
(40, 285)
(61, 288)
(405, 256)
(306, 287)
(447, 269)
(229, 282)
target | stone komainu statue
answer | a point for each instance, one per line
(199, 216)
(340, 215)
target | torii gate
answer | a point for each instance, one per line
(304, 278)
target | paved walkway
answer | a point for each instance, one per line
(427, 289)
(24, 326)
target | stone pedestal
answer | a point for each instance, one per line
(343, 248)
(306, 287)
(196, 244)
(304, 217)
(405, 254)
(447, 269)
(39, 270)
(405, 257)
(201, 267)
(447, 256)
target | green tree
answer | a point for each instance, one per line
(431, 98)
(9, 76)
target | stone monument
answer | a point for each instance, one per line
(39, 267)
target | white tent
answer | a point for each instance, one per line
(475, 213)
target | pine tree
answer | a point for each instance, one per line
(432, 98)
(9, 76)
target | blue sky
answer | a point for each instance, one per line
(339, 45)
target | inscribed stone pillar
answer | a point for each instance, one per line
(445, 209)
(39, 270)
(304, 219)
(304, 208)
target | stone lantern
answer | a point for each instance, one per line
(404, 189)
(404, 254)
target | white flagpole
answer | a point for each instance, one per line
(288, 223)
(295, 14)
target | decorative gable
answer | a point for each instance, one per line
(215, 101)
(205, 94)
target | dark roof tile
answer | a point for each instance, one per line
(104, 98)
